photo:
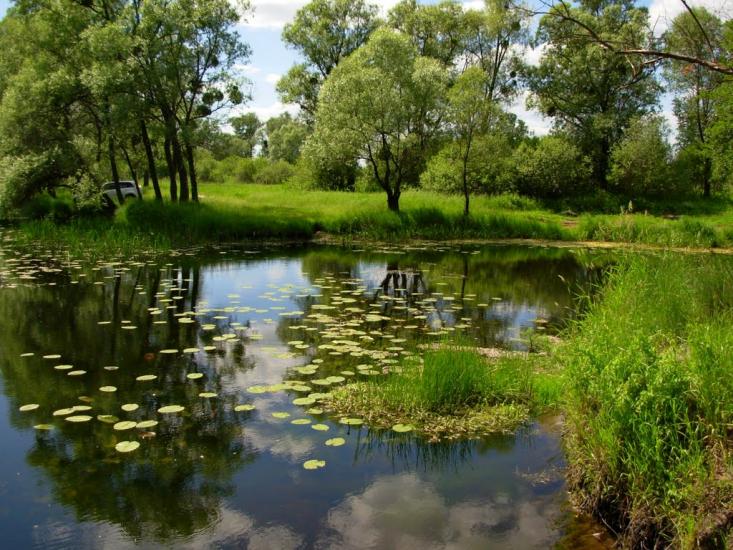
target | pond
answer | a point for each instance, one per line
(150, 402)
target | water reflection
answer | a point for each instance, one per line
(214, 476)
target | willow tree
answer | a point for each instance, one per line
(377, 104)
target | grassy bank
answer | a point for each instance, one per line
(650, 403)
(234, 212)
(454, 393)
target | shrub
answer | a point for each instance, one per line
(490, 167)
(554, 167)
(640, 161)
(239, 169)
(276, 172)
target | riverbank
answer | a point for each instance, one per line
(230, 213)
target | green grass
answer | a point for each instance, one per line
(454, 392)
(650, 402)
(237, 212)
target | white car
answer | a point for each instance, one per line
(127, 188)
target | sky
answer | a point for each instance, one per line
(270, 58)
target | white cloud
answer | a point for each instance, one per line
(247, 70)
(272, 78)
(536, 123)
(662, 12)
(376, 518)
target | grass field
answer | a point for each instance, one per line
(234, 212)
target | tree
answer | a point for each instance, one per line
(469, 113)
(323, 33)
(377, 104)
(436, 30)
(591, 93)
(640, 161)
(694, 83)
(285, 138)
(553, 167)
(245, 128)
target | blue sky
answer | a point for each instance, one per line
(271, 59)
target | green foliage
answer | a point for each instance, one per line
(591, 93)
(640, 162)
(490, 168)
(552, 167)
(285, 138)
(650, 404)
(279, 171)
(323, 32)
(377, 105)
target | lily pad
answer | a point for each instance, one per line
(208, 395)
(108, 418)
(146, 378)
(43, 427)
(29, 407)
(301, 421)
(194, 376)
(127, 446)
(336, 442)
(281, 415)
(320, 427)
(402, 428)
(244, 408)
(146, 424)
(126, 425)
(108, 389)
(352, 421)
(304, 401)
(79, 418)
(314, 464)
(171, 409)
(64, 412)
(130, 407)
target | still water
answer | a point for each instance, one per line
(91, 351)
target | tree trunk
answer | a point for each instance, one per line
(113, 168)
(151, 160)
(707, 169)
(393, 201)
(171, 169)
(184, 195)
(192, 173)
(465, 185)
(133, 173)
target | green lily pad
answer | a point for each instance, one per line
(208, 395)
(320, 427)
(304, 401)
(127, 446)
(64, 412)
(314, 464)
(43, 427)
(146, 378)
(29, 407)
(171, 409)
(77, 373)
(244, 408)
(108, 389)
(146, 424)
(281, 415)
(194, 376)
(130, 407)
(315, 410)
(108, 418)
(126, 425)
(336, 442)
(78, 419)
(301, 421)
(352, 421)
(402, 428)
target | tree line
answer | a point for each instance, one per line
(88, 84)
(418, 98)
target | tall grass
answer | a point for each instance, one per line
(453, 391)
(650, 402)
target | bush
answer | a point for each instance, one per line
(640, 162)
(239, 169)
(554, 167)
(490, 167)
(276, 172)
